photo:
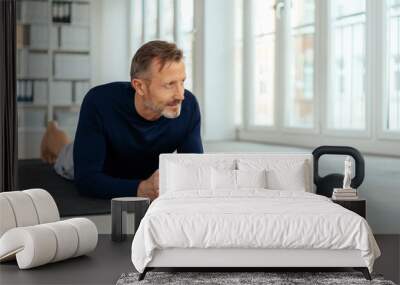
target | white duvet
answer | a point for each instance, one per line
(251, 218)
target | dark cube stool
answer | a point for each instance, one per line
(120, 207)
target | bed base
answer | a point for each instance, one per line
(242, 259)
(363, 270)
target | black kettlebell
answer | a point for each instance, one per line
(326, 184)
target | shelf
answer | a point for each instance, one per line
(32, 49)
(77, 1)
(31, 129)
(72, 1)
(55, 50)
(56, 24)
(30, 105)
(62, 53)
(21, 77)
(27, 23)
(72, 106)
(61, 50)
(76, 80)
(71, 79)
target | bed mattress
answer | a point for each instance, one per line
(250, 219)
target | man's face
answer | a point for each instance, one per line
(163, 89)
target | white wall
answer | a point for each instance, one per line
(216, 44)
(110, 43)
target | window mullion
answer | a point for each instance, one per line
(249, 76)
(135, 21)
(373, 67)
(282, 67)
(324, 64)
(177, 23)
(144, 25)
(160, 18)
(198, 56)
(320, 64)
(382, 51)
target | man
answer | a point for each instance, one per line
(124, 126)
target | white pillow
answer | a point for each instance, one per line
(251, 178)
(182, 177)
(234, 179)
(282, 174)
(223, 179)
(291, 179)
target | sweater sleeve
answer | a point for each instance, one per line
(192, 142)
(89, 155)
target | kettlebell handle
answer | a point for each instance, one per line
(342, 150)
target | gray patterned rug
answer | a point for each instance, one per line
(229, 278)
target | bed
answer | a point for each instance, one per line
(247, 210)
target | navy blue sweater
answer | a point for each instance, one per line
(115, 148)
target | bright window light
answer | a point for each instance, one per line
(299, 103)
(265, 63)
(347, 101)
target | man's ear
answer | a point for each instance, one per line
(138, 85)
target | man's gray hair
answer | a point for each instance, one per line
(162, 50)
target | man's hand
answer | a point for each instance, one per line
(149, 188)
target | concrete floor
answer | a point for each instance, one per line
(109, 260)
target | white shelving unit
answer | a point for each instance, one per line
(53, 67)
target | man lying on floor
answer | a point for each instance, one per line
(124, 126)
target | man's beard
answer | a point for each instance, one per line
(164, 110)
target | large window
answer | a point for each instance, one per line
(392, 106)
(325, 72)
(264, 63)
(300, 103)
(346, 103)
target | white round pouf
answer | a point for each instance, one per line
(23, 208)
(87, 235)
(7, 218)
(32, 246)
(31, 233)
(67, 240)
(45, 205)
